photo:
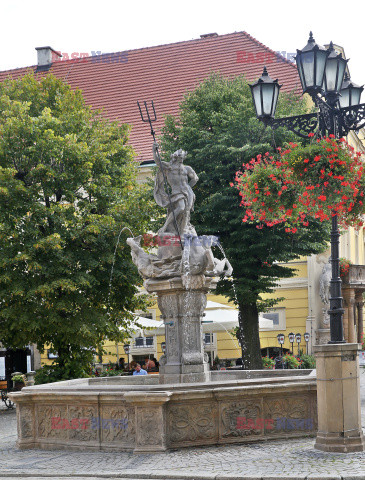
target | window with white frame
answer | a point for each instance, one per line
(208, 338)
(274, 319)
(144, 342)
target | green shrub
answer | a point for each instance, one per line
(111, 373)
(56, 373)
(18, 378)
(308, 361)
(291, 361)
(268, 362)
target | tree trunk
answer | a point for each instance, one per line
(248, 335)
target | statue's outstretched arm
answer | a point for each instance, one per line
(155, 157)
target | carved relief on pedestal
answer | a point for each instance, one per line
(323, 336)
(290, 414)
(51, 421)
(169, 307)
(117, 424)
(26, 421)
(241, 419)
(84, 416)
(150, 426)
(191, 422)
(324, 293)
(192, 308)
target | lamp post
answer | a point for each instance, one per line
(292, 340)
(322, 75)
(127, 349)
(298, 339)
(306, 338)
(281, 338)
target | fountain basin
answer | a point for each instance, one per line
(138, 414)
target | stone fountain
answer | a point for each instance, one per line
(185, 405)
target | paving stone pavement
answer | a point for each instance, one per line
(290, 459)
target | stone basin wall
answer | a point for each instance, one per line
(137, 414)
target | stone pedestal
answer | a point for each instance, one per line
(182, 306)
(338, 398)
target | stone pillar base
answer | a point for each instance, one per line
(186, 374)
(332, 442)
(338, 398)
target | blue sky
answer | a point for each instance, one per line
(110, 26)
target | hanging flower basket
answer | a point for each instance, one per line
(320, 180)
(344, 267)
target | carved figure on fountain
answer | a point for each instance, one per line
(170, 261)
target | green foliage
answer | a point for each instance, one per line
(67, 187)
(218, 128)
(111, 373)
(57, 373)
(291, 361)
(268, 363)
(308, 361)
(18, 379)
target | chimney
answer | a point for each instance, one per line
(46, 56)
(209, 35)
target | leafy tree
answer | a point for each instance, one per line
(67, 187)
(218, 128)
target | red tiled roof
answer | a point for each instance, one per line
(163, 74)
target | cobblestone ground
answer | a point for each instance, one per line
(291, 459)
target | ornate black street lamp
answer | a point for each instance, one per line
(292, 340)
(298, 338)
(337, 99)
(350, 93)
(127, 349)
(281, 338)
(306, 338)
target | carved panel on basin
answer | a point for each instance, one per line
(191, 423)
(51, 420)
(25, 419)
(84, 417)
(242, 418)
(290, 414)
(117, 425)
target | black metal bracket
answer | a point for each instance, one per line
(328, 119)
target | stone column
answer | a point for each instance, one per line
(338, 398)
(150, 414)
(345, 319)
(182, 311)
(360, 319)
(351, 307)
